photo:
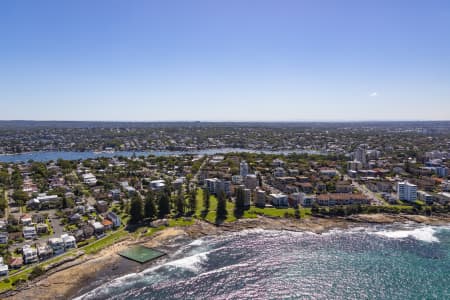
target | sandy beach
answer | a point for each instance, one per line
(88, 271)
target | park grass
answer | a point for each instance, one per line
(105, 242)
(251, 213)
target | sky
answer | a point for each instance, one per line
(229, 60)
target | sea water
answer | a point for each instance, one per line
(378, 262)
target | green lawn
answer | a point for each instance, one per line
(253, 212)
(105, 242)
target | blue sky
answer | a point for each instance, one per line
(225, 60)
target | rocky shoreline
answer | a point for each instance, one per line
(83, 274)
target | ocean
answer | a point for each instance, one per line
(399, 261)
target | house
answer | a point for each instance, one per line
(57, 245)
(44, 251)
(157, 185)
(178, 183)
(343, 187)
(29, 232)
(99, 229)
(41, 228)
(306, 187)
(102, 206)
(424, 196)
(44, 200)
(277, 163)
(341, 199)
(295, 199)
(16, 263)
(3, 268)
(89, 179)
(15, 236)
(130, 190)
(328, 172)
(114, 218)
(279, 172)
(69, 241)
(38, 218)
(307, 200)
(3, 238)
(26, 220)
(29, 254)
(279, 200)
(3, 225)
(75, 218)
(115, 194)
(88, 231)
(107, 224)
(443, 197)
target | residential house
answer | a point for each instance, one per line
(44, 251)
(16, 262)
(57, 245)
(3, 238)
(102, 206)
(89, 179)
(69, 241)
(107, 224)
(3, 268)
(99, 229)
(343, 187)
(41, 228)
(29, 254)
(424, 196)
(114, 218)
(29, 232)
(341, 199)
(279, 200)
(157, 185)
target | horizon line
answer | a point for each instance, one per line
(228, 121)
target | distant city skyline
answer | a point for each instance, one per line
(225, 60)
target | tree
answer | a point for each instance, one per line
(163, 205)
(150, 206)
(193, 201)
(221, 207)
(179, 203)
(136, 209)
(20, 197)
(240, 201)
(206, 199)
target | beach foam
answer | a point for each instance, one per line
(425, 234)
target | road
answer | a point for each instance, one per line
(364, 190)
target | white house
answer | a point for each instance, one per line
(29, 254)
(69, 241)
(29, 232)
(57, 244)
(279, 199)
(89, 179)
(3, 268)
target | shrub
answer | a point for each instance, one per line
(37, 271)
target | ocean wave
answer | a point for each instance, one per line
(190, 263)
(425, 234)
